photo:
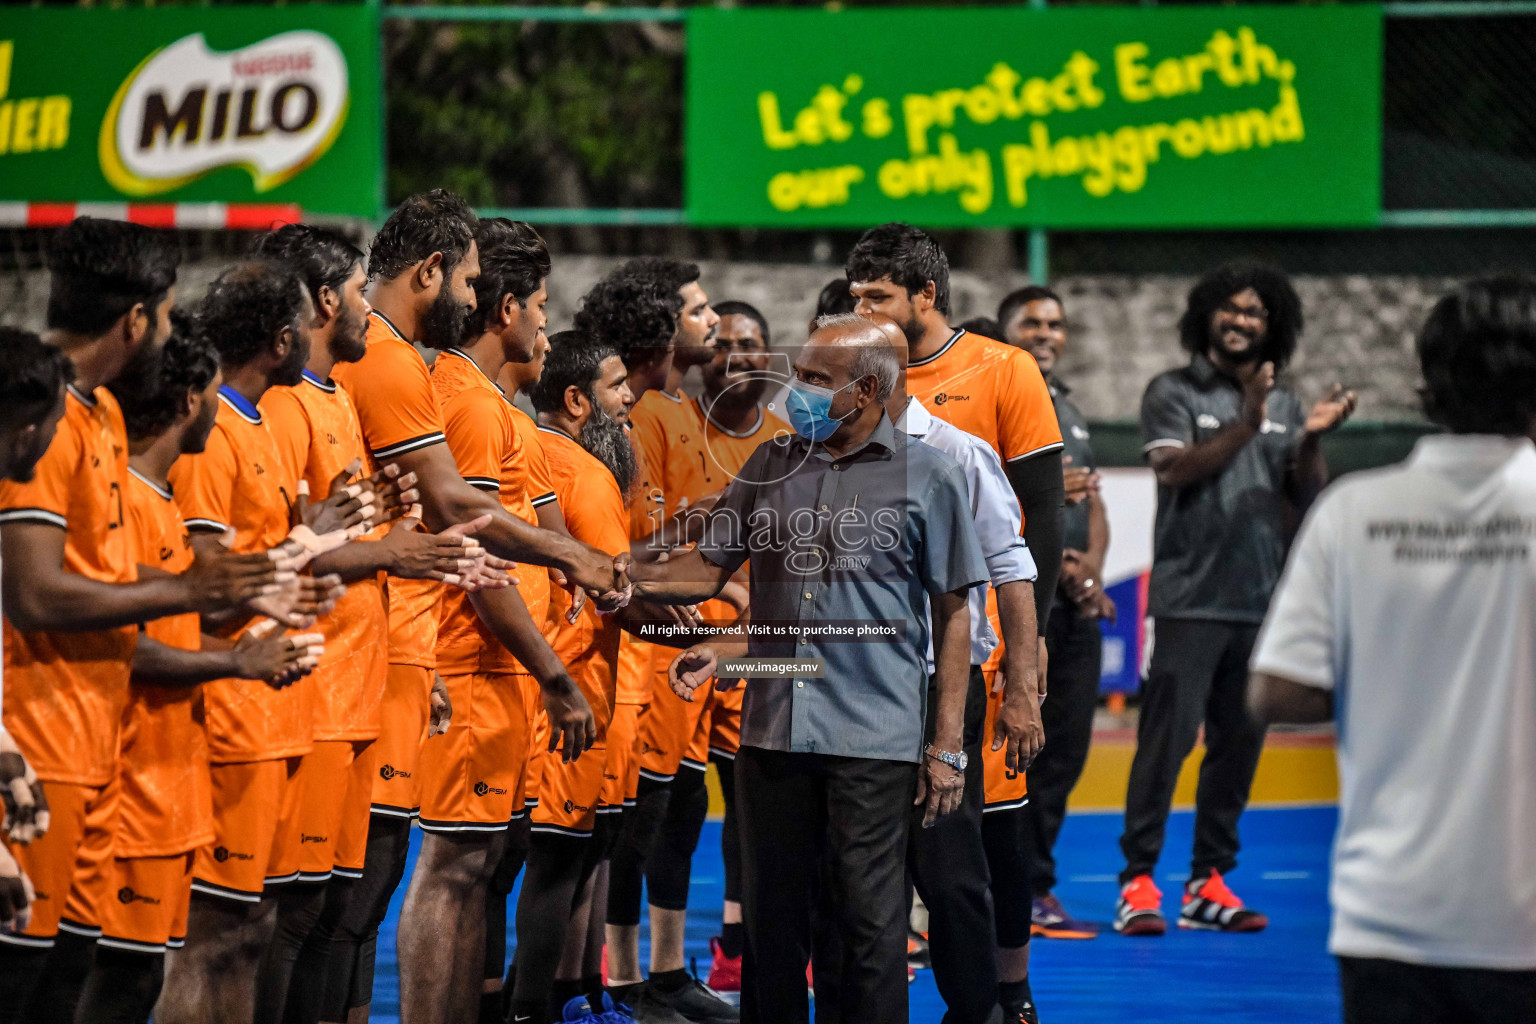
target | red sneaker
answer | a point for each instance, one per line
(1210, 906)
(724, 971)
(1139, 911)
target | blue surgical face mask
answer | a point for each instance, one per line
(810, 410)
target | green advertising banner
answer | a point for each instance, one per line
(192, 104)
(1065, 117)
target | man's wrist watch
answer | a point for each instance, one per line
(955, 761)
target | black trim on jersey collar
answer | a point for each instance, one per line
(328, 386)
(238, 402)
(391, 325)
(164, 492)
(959, 332)
(557, 430)
(89, 401)
(471, 360)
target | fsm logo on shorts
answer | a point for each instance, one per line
(482, 788)
(126, 895)
(389, 771)
(224, 853)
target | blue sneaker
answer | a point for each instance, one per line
(579, 1011)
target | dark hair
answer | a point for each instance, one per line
(631, 311)
(746, 309)
(984, 326)
(513, 260)
(427, 222)
(909, 257)
(1023, 297)
(100, 269)
(247, 306)
(187, 363)
(323, 258)
(669, 273)
(574, 360)
(31, 374)
(1478, 354)
(1275, 291)
(834, 298)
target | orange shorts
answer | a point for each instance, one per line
(146, 911)
(538, 743)
(570, 794)
(352, 838)
(403, 716)
(621, 775)
(61, 862)
(1003, 789)
(471, 775)
(725, 722)
(327, 791)
(250, 799)
(668, 726)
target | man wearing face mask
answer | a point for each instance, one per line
(1235, 456)
(850, 525)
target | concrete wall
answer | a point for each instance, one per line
(1359, 329)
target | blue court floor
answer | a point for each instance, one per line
(1281, 975)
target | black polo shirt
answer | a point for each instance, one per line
(1074, 445)
(1218, 545)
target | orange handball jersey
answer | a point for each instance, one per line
(989, 389)
(165, 799)
(483, 437)
(392, 392)
(238, 481)
(65, 692)
(595, 512)
(317, 435)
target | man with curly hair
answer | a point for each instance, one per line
(1234, 453)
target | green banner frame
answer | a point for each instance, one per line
(1080, 117)
(193, 105)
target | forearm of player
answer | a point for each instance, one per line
(1037, 483)
(688, 578)
(1309, 472)
(504, 612)
(1180, 467)
(40, 594)
(1273, 698)
(354, 561)
(160, 664)
(1016, 614)
(952, 667)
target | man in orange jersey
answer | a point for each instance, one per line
(729, 421)
(489, 646)
(997, 393)
(71, 591)
(255, 314)
(422, 268)
(161, 788)
(582, 399)
(31, 405)
(318, 437)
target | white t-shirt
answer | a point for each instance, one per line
(1411, 593)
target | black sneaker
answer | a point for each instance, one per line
(1024, 1013)
(697, 1002)
(645, 1004)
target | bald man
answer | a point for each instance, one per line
(852, 529)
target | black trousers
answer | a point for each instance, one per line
(1075, 647)
(1199, 675)
(798, 812)
(948, 866)
(1393, 992)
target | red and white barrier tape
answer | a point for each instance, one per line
(239, 216)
